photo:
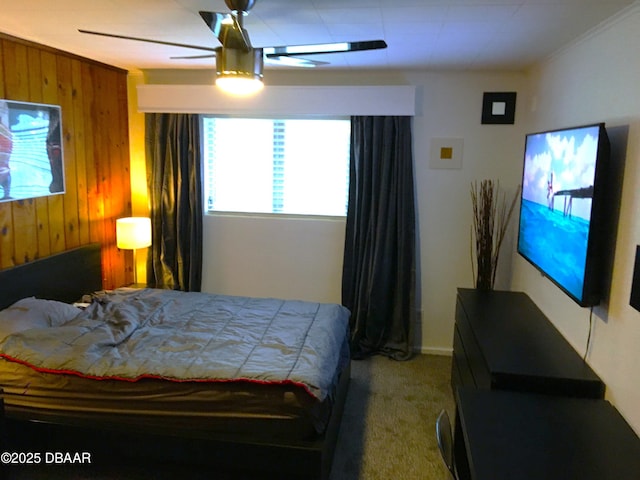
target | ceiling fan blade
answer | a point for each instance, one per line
(161, 42)
(287, 61)
(322, 48)
(193, 57)
(226, 27)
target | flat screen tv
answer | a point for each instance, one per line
(30, 150)
(563, 220)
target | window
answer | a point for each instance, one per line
(294, 166)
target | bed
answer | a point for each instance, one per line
(158, 368)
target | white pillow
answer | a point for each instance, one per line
(33, 312)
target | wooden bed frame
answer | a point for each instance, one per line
(64, 276)
(69, 275)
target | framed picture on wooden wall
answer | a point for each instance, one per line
(31, 157)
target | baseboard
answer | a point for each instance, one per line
(434, 351)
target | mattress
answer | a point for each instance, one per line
(193, 408)
(254, 402)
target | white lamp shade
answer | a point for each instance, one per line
(133, 232)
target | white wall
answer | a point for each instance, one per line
(452, 108)
(598, 79)
(274, 256)
(303, 258)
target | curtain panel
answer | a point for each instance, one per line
(175, 192)
(379, 272)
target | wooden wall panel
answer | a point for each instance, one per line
(93, 99)
(81, 155)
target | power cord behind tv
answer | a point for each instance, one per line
(588, 346)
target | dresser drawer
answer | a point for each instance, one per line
(469, 345)
(461, 364)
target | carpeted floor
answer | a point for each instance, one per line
(387, 431)
(388, 428)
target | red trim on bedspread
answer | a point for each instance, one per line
(158, 377)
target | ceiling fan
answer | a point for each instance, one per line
(239, 65)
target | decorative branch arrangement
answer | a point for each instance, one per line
(490, 221)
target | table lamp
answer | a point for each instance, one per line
(133, 233)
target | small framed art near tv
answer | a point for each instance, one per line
(31, 156)
(564, 208)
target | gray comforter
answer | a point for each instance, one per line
(178, 336)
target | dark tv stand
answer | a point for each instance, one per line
(525, 436)
(503, 341)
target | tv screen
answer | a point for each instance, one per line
(562, 209)
(30, 150)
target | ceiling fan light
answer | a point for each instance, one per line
(239, 72)
(239, 86)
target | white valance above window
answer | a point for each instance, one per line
(280, 100)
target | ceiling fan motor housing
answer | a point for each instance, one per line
(240, 5)
(233, 62)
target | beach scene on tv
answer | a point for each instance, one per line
(557, 192)
(30, 150)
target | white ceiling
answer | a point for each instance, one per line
(421, 34)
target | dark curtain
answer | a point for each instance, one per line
(379, 273)
(175, 192)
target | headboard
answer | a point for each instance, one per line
(64, 276)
